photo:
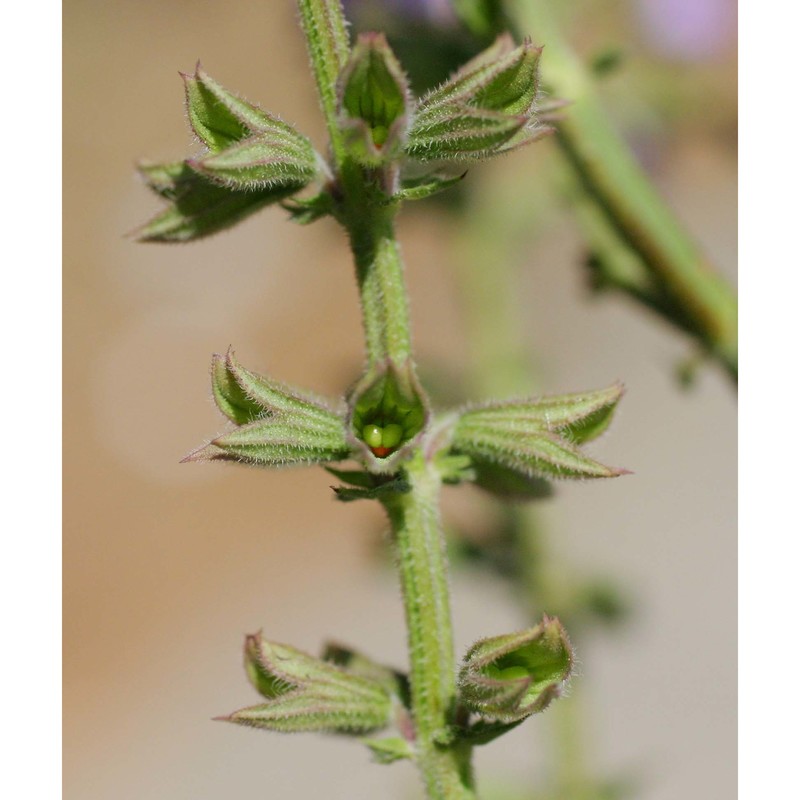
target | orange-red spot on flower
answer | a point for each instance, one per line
(381, 452)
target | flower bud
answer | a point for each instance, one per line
(540, 437)
(486, 107)
(196, 206)
(253, 160)
(388, 412)
(278, 425)
(510, 677)
(374, 100)
(308, 694)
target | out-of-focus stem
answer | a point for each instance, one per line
(487, 275)
(626, 198)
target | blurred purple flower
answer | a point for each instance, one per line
(692, 30)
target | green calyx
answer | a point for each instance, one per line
(374, 99)
(538, 437)
(388, 413)
(304, 693)
(509, 677)
(253, 159)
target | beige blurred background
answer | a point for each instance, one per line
(168, 565)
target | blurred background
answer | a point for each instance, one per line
(167, 566)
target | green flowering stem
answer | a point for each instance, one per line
(414, 515)
(626, 198)
(485, 109)
(422, 562)
(362, 206)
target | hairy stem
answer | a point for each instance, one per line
(328, 47)
(362, 206)
(381, 283)
(422, 563)
(414, 515)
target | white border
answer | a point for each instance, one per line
(769, 224)
(30, 325)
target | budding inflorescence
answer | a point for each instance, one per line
(254, 159)
(385, 147)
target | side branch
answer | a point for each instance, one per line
(683, 285)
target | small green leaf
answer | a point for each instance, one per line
(274, 397)
(293, 669)
(304, 211)
(309, 694)
(462, 132)
(507, 678)
(503, 78)
(426, 187)
(265, 681)
(356, 663)
(169, 180)
(397, 486)
(278, 442)
(279, 425)
(213, 122)
(514, 85)
(461, 86)
(487, 107)
(220, 118)
(304, 712)
(355, 477)
(259, 162)
(250, 150)
(229, 396)
(365, 485)
(387, 751)
(538, 437)
(483, 731)
(197, 206)
(532, 453)
(580, 417)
